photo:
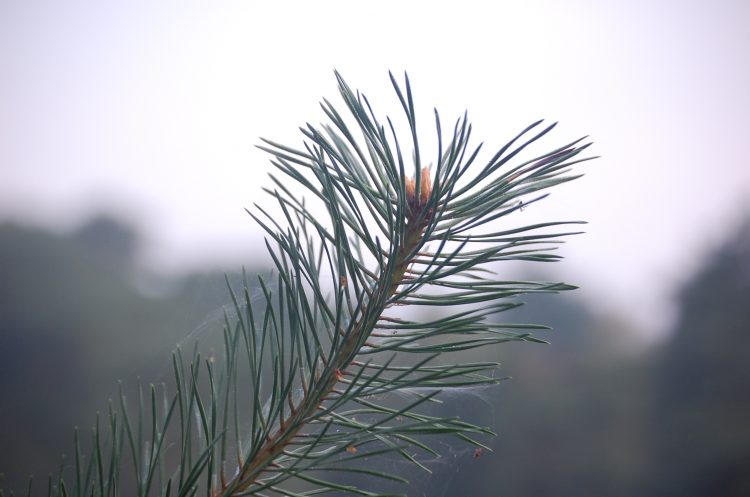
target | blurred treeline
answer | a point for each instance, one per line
(590, 415)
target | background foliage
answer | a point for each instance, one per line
(594, 413)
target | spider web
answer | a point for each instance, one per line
(474, 404)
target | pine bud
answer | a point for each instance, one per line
(425, 189)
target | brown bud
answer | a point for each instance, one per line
(411, 187)
(425, 186)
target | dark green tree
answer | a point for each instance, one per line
(700, 434)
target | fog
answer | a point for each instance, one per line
(151, 111)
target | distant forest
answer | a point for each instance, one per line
(588, 415)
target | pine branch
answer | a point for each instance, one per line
(409, 212)
(321, 354)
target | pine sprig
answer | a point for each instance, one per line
(363, 184)
(376, 230)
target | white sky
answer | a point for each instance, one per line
(152, 109)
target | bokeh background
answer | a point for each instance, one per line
(127, 155)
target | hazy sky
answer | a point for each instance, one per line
(152, 110)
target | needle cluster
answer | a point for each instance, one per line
(321, 356)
